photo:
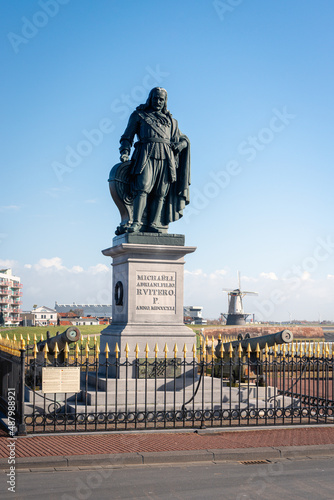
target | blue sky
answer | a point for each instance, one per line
(251, 85)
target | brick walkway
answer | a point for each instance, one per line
(99, 444)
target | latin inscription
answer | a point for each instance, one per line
(155, 292)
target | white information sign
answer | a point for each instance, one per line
(155, 292)
(60, 379)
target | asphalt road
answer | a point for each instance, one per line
(291, 479)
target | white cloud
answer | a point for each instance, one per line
(28, 266)
(8, 263)
(55, 263)
(77, 269)
(269, 276)
(99, 268)
(330, 276)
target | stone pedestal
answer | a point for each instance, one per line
(148, 297)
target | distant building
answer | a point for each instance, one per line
(10, 297)
(193, 315)
(94, 310)
(44, 316)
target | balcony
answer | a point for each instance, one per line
(4, 283)
(4, 291)
(17, 294)
(4, 300)
(15, 284)
(15, 310)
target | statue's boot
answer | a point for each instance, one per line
(139, 204)
(157, 205)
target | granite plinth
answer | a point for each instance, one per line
(148, 298)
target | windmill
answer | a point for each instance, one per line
(236, 315)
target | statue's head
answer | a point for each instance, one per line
(157, 99)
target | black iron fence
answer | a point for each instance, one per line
(12, 369)
(75, 391)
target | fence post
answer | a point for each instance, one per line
(21, 426)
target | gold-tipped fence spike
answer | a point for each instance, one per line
(257, 350)
(87, 350)
(230, 350)
(107, 350)
(117, 350)
(293, 350)
(175, 351)
(127, 349)
(42, 338)
(23, 343)
(46, 350)
(318, 349)
(7, 336)
(220, 337)
(77, 350)
(184, 351)
(146, 350)
(194, 351)
(239, 350)
(137, 350)
(14, 338)
(266, 350)
(221, 350)
(56, 350)
(28, 338)
(0, 336)
(283, 349)
(206, 341)
(156, 350)
(97, 351)
(66, 350)
(326, 350)
(35, 338)
(166, 350)
(21, 337)
(35, 351)
(249, 350)
(310, 350)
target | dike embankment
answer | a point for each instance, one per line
(299, 332)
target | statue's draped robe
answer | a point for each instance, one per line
(154, 161)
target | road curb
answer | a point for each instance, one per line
(171, 457)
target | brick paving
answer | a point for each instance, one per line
(99, 444)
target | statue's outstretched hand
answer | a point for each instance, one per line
(124, 157)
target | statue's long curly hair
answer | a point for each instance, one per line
(159, 115)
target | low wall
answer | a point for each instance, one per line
(304, 332)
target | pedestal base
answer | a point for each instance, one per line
(148, 298)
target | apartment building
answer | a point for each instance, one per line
(10, 297)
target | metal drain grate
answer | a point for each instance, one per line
(254, 462)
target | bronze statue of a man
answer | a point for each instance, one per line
(159, 171)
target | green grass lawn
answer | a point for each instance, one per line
(86, 330)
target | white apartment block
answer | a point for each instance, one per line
(10, 297)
